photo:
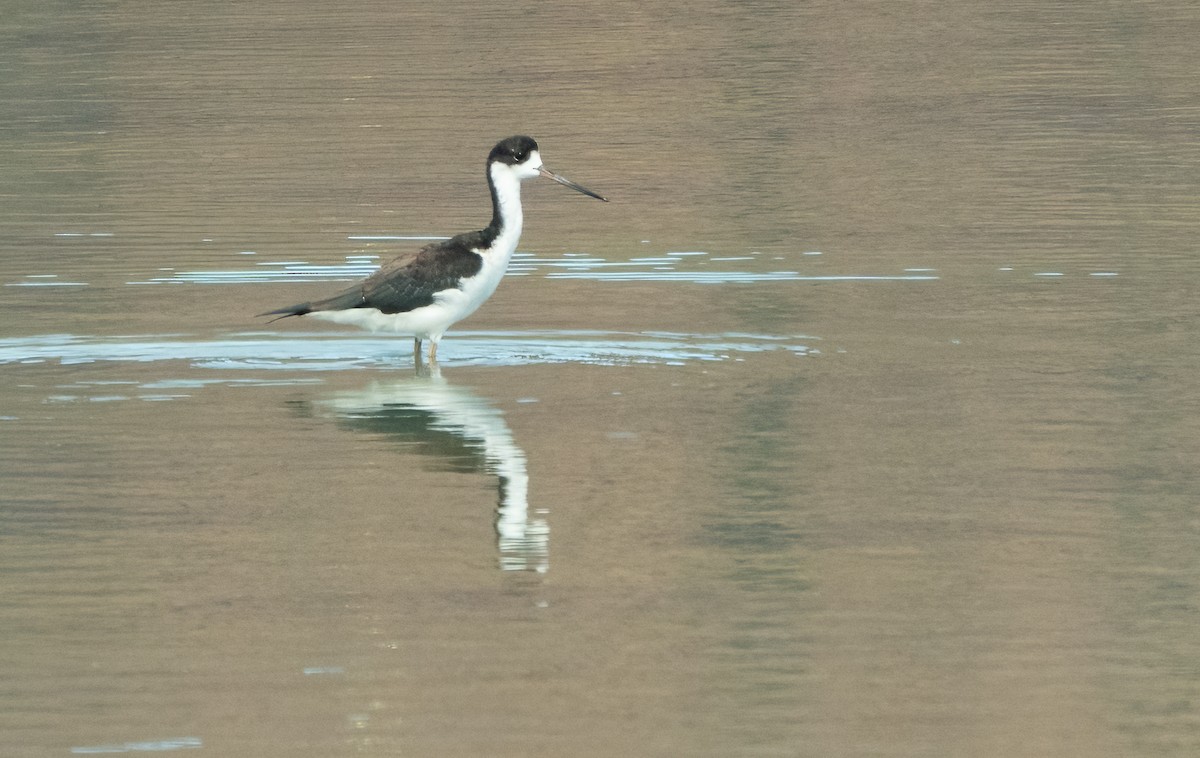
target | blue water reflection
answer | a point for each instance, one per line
(149, 746)
(325, 352)
(686, 266)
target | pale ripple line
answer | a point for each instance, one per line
(723, 277)
(577, 266)
(150, 746)
(311, 352)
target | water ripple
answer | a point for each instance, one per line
(322, 352)
(151, 746)
(693, 266)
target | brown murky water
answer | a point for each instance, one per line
(863, 421)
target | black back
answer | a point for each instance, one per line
(410, 281)
(407, 282)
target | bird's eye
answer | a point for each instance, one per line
(521, 156)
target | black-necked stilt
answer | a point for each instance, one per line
(423, 293)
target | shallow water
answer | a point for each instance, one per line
(860, 422)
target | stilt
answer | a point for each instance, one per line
(427, 291)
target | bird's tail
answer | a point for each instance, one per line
(350, 298)
(291, 310)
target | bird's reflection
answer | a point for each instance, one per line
(467, 434)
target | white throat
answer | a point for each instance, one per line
(508, 201)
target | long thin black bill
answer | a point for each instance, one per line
(564, 181)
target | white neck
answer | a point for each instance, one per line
(506, 213)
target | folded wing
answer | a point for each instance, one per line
(403, 284)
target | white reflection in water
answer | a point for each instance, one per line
(423, 407)
(44, 280)
(326, 352)
(736, 277)
(151, 746)
(683, 266)
(677, 266)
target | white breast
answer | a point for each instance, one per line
(476, 290)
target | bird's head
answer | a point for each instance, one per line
(519, 155)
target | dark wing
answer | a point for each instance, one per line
(410, 281)
(405, 283)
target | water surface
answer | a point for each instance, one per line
(860, 422)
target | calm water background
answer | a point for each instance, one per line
(863, 421)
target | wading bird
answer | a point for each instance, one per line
(423, 293)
